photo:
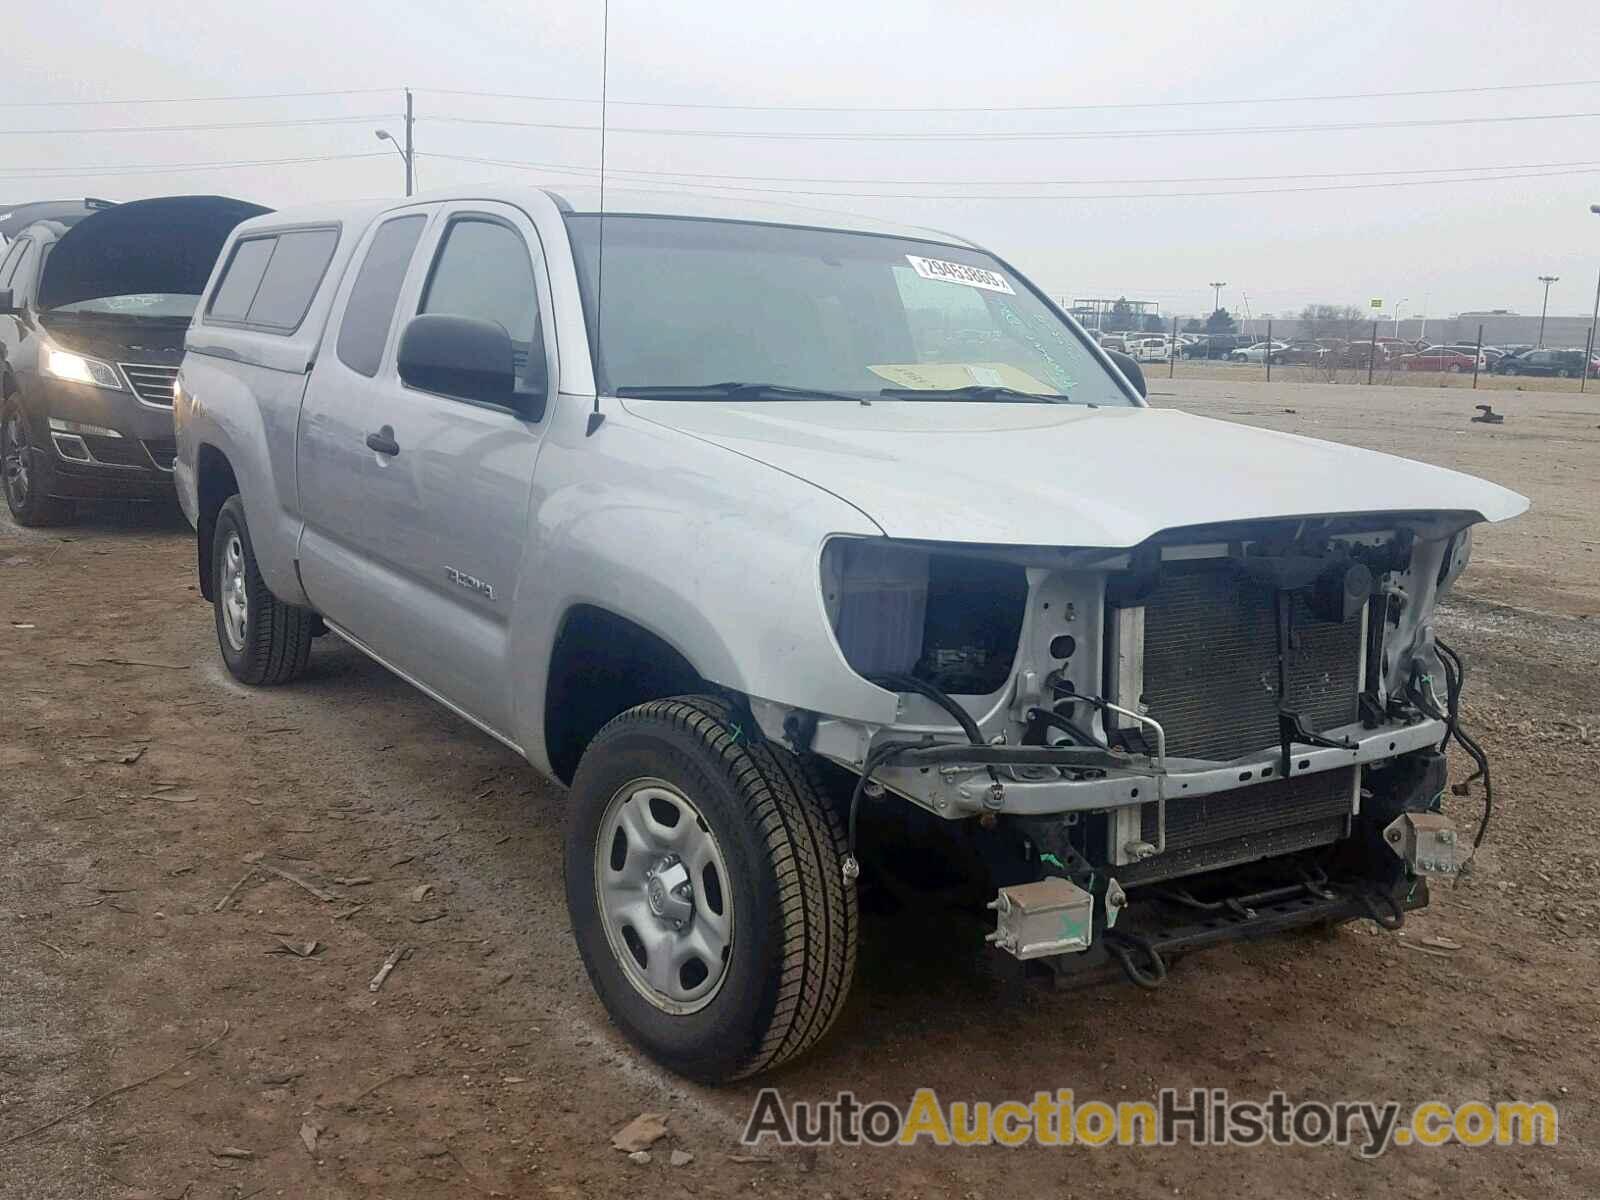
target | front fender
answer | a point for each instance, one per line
(712, 552)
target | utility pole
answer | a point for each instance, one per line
(410, 149)
(1594, 320)
(1216, 295)
(1547, 280)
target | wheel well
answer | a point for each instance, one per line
(214, 483)
(603, 665)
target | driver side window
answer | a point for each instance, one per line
(483, 270)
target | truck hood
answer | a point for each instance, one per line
(163, 246)
(1059, 475)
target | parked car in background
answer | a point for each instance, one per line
(1154, 348)
(1490, 354)
(1216, 345)
(93, 312)
(762, 561)
(1440, 358)
(1258, 352)
(1304, 353)
(1560, 364)
(14, 218)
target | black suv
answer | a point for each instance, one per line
(94, 306)
(1563, 364)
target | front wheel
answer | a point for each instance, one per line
(705, 885)
(262, 639)
(24, 476)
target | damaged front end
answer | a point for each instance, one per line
(1225, 731)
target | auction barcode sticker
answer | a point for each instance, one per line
(949, 272)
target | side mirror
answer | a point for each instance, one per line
(1129, 367)
(462, 357)
(8, 304)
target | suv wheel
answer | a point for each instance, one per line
(22, 476)
(263, 640)
(705, 885)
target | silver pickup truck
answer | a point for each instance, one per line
(817, 555)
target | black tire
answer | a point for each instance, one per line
(25, 474)
(794, 916)
(274, 643)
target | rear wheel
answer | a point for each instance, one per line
(705, 885)
(263, 640)
(23, 474)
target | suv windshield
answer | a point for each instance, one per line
(752, 311)
(157, 306)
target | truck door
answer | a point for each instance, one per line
(446, 482)
(333, 464)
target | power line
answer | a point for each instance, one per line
(79, 172)
(192, 99)
(572, 168)
(720, 187)
(1101, 107)
(1105, 106)
(195, 128)
(1024, 136)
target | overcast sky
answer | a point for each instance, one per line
(1468, 243)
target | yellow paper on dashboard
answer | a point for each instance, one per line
(945, 376)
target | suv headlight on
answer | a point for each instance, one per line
(79, 368)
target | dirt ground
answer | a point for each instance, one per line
(137, 780)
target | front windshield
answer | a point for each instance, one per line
(158, 306)
(691, 302)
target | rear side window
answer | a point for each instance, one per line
(293, 274)
(237, 288)
(269, 281)
(370, 310)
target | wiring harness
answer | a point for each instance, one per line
(1455, 678)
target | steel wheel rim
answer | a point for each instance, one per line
(664, 896)
(235, 600)
(17, 459)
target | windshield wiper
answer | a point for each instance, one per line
(735, 391)
(982, 391)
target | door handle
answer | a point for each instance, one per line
(383, 441)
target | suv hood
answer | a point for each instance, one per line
(167, 245)
(1059, 475)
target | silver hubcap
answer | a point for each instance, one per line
(17, 460)
(235, 600)
(664, 895)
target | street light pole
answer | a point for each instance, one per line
(1547, 280)
(1593, 320)
(1398, 305)
(1216, 295)
(407, 152)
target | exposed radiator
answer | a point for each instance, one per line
(1211, 663)
(1228, 828)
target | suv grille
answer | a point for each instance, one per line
(152, 384)
(1211, 663)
